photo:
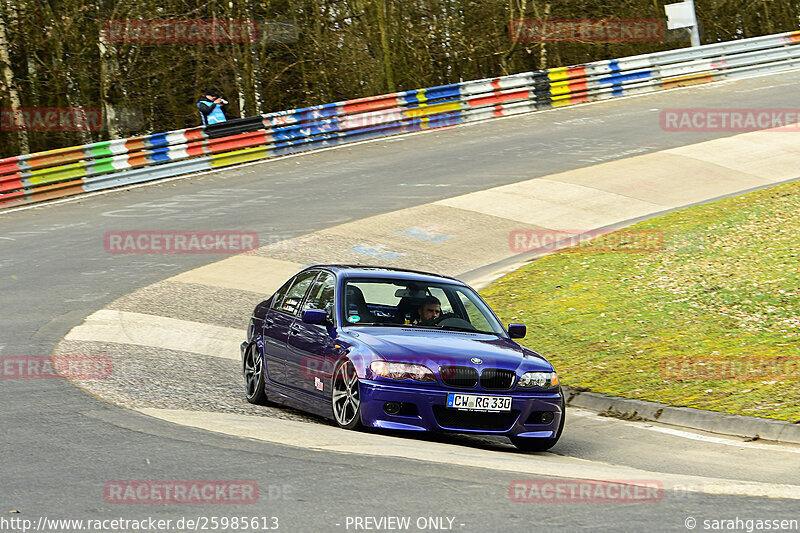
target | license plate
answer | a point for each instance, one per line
(474, 402)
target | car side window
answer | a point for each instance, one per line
(321, 294)
(277, 300)
(474, 314)
(290, 302)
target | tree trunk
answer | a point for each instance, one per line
(388, 72)
(108, 70)
(10, 86)
(543, 48)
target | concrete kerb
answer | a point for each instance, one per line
(685, 417)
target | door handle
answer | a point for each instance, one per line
(294, 330)
(269, 322)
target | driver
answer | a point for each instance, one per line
(430, 310)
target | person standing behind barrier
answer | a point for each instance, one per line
(210, 107)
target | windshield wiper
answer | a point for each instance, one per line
(468, 330)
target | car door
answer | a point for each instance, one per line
(311, 354)
(280, 318)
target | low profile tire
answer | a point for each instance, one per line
(253, 371)
(526, 444)
(345, 396)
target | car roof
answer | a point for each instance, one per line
(376, 271)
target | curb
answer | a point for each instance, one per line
(687, 417)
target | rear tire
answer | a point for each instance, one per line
(528, 444)
(253, 371)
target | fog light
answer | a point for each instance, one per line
(540, 417)
(392, 408)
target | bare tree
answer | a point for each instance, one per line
(8, 83)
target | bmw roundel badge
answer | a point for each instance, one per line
(475, 361)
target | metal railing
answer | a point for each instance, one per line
(103, 165)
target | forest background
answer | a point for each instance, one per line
(62, 53)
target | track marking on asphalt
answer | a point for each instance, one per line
(611, 192)
(327, 438)
(545, 202)
(573, 412)
(769, 154)
(454, 242)
(398, 138)
(243, 272)
(718, 440)
(124, 327)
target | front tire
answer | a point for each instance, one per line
(345, 396)
(253, 371)
(527, 444)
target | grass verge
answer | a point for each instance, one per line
(709, 319)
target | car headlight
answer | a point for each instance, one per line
(543, 380)
(402, 371)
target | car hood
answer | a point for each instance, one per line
(437, 348)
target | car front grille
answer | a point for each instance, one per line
(454, 419)
(497, 378)
(462, 377)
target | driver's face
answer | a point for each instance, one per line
(430, 311)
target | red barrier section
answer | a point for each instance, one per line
(498, 98)
(13, 198)
(577, 85)
(10, 183)
(235, 142)
(373, 103)
(9, 165)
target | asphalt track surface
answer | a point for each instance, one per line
(61, 446)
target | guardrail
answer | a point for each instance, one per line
(53, 174)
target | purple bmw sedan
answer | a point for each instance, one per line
(400, 350)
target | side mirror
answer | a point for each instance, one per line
(517, 331)
(315, 316)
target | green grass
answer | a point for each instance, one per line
(722, 293)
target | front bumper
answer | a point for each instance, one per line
(431, 414)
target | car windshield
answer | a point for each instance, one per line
(399, 302)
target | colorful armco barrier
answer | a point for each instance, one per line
(57, 173)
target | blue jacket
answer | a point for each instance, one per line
(210, 112)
